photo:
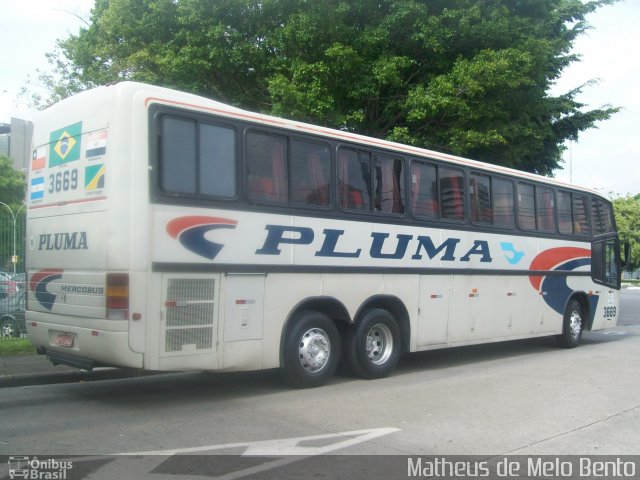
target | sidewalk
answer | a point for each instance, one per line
(22, 370)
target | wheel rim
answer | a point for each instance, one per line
(7, 330)
(575, 325)
(379, 344)
(314, 350)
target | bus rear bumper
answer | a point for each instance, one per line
(82, 347)
(62, 358)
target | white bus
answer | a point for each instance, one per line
(171, 232)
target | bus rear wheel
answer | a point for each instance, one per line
(572, 325)
(312, 350)
(372, 346)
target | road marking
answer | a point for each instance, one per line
(285, 451)
(284, 446)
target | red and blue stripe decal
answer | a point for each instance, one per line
(39, 282)
(555, 288)
(190, 231)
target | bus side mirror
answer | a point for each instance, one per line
(626, 261)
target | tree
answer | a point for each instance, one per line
(467, 77)
(12, 184)
(627, 213)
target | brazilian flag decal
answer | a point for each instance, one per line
(65, 144)
(94, 177)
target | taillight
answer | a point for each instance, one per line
(117, 298)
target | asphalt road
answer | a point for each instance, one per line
(514, 398)
(629, 307)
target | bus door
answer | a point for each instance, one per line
(606, 270)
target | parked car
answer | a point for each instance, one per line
(8, 286)
(12, 323)
(20, 279)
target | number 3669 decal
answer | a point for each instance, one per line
(63, 181)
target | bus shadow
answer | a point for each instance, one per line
(473, 354)
(164, 388)
(487, 352)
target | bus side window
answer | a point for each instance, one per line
(601, 217)
(545, 210)
(580, 215)
(451, 193)
(573, 214)
(178, 156)
(389, 186)
(480, 193)
(266, 166)
(526, 207)
(564, 213)
(217, 161)
(597, 220)
(503, 206)
(310, 172)
(355, 179)
(424, 190)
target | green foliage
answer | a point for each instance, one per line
(16, 347)
(12, 184)
(627, 213)
(462, 76)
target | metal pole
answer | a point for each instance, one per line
(14, 259)
(570, 161)
(13, 217)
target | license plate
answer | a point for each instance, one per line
(63, 340)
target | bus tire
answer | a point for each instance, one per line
(372, 346)
(572, 325)
(311, 351)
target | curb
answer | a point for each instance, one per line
(28, 379)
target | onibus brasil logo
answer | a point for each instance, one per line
(38, 469)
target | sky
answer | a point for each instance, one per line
(606, 158)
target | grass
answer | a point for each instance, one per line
(16, 347)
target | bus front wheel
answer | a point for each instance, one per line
(312, 350)
(372, 346)
(572, 325)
